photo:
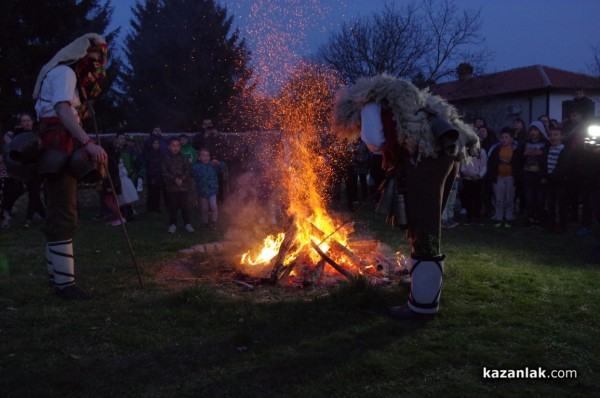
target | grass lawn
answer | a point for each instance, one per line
(512, 298)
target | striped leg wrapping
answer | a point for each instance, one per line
(49, 265)
(426, 284)
(63, 263)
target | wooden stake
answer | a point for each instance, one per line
(329, 261)
(335, 245)
(286, 272)
(315, 275)
(246, 285)
(285, 247)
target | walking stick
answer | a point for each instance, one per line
(112, 187)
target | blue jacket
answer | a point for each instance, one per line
(206, 178)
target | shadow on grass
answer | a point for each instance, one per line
(205, 344)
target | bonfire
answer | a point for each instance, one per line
(315, 243)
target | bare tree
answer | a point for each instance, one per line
(425, 40)
(595, 65)
(453, 37)
(389, 42)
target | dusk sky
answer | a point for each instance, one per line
(557, 33)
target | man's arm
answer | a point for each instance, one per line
(65, 113)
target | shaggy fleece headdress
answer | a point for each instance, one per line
(406, 102)
(70, 54)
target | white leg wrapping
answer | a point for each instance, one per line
(61, 254)
(426, 284)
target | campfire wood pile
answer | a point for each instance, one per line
(372, 262)
(368, 258)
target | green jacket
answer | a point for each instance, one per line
(189, 152)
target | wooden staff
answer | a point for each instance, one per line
(112, 187)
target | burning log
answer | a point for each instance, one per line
(315, 275)
(286, 272)
(335, 245)
(285, 247)
(335, 265)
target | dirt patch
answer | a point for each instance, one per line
(217, 265)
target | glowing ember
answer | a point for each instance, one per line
(277, 34)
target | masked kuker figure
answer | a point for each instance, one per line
(423, 142)
(64, 85)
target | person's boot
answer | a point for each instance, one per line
(404, 312)
(72, 292)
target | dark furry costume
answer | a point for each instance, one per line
(426, 159)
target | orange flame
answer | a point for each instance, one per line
(302, 111)
(269, 250)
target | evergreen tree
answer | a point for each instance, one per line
(31, 33)
(185, 64)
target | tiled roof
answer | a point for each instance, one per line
(528, 78)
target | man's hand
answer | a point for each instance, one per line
(97, 153)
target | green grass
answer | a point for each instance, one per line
(511, 299)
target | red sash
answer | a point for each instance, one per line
(54, 135)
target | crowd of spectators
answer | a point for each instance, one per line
(543, 175)
(537, 174)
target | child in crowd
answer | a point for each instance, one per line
(128, 194)
(448, 213)
(187, 149)
(534, 154)
(206, 176)
(503, 166)
(177, 176)
(555, 182)
(111, 184)
(472, 174)
(154, 159)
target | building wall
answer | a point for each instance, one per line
(500, 111)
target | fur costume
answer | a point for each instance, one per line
(406, 102)
(424, 147)
(68, 55)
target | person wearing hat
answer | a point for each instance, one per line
(533, 155)
(62, 91)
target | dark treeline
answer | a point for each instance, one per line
(180, 62)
